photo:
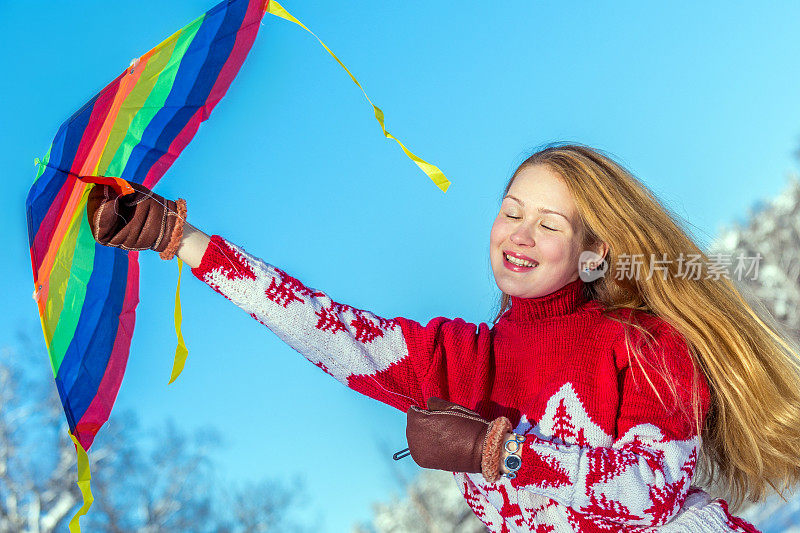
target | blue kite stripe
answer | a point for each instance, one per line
(96, 331)
(207, 54)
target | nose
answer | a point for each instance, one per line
(522, 236)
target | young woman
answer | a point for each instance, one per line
(599, 394)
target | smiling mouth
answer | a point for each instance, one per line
(519, 262)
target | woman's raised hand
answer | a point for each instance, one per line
(140, 220)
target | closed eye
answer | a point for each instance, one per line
(517, 218)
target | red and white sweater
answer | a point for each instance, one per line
(601, 453)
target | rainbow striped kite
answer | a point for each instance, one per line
(131, 131)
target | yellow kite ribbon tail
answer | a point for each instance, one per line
(84, 482)
(180, 352)
(432, 171)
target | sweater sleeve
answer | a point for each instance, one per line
(386, 359)
(643, 478)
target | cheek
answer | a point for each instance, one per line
(498, 233)
(554, 248)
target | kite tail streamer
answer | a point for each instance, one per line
(84, 484)
(432, 171)
(180, 351)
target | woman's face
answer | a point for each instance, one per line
(537, 224)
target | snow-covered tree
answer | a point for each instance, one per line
(430, 504)
(142, 481)
(771, 234)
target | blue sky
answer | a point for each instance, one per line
(698, 100)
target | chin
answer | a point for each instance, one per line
(515, 290)
(522, 294)
(528, 291)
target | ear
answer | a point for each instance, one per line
(601, 249)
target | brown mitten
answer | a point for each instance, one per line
(448, 436)
(140, 220)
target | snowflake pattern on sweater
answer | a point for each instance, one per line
(602, 453)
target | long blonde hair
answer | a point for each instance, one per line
(751, 434)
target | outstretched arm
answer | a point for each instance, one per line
(396, 361)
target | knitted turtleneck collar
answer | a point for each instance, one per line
(564, 301)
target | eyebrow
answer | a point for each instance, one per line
(541, 209)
